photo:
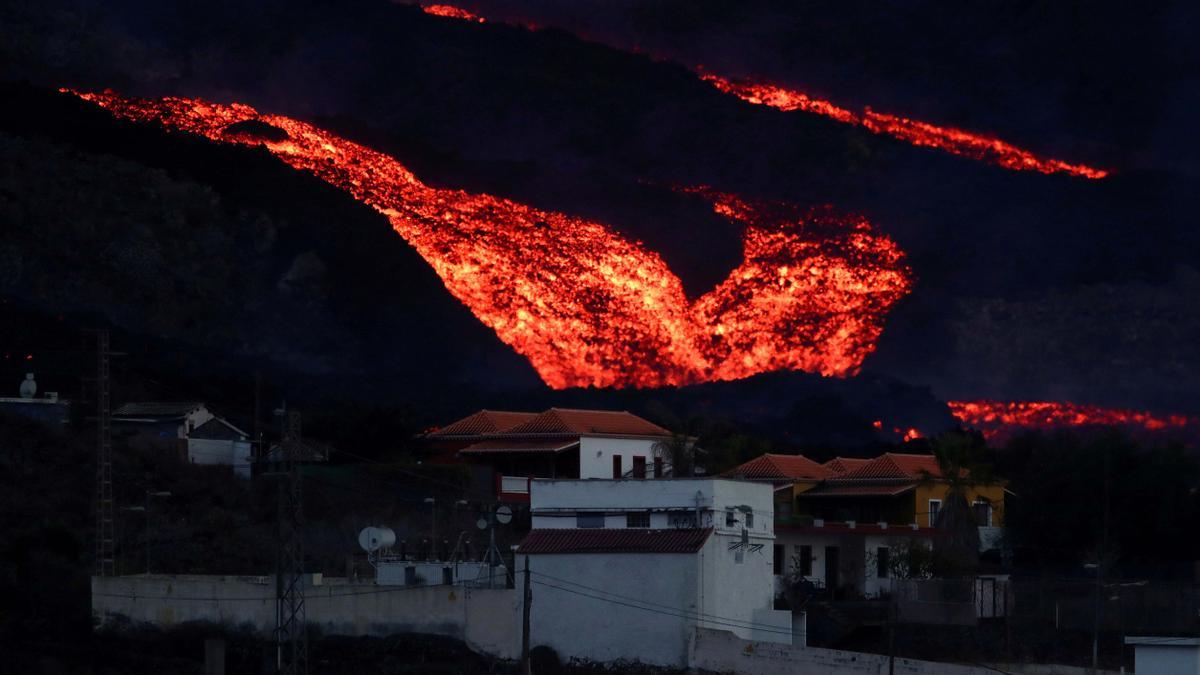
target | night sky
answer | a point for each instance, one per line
(1026, 286)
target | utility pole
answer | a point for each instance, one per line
(526, 601)
(105, 534)
(291, 635)
(1100, 561)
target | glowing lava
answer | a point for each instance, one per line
(948, 139)
(998, 418)
(452, 12)
(586, 306)
(951, 140)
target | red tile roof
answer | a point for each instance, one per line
(781, 467)
(896, 466)
(484, 422)
(844, 490)
(569, 421)
(502, 445)
(602, 540)
(845, 464)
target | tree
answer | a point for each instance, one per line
(960, 463)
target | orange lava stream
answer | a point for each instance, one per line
(951, 140)
(996, 418)
(586, 306)
(948, 139)
(452, 12)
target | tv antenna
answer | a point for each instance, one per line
(502, 514)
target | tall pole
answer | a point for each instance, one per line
(291, 635)
(526, 601)
(1100, 560)
(105, 535)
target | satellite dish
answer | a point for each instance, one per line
(481, 523)
(372, 539)
(504, 514)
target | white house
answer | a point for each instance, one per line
(508, 449)
(163, 425)
(629, 569)
(219, 442)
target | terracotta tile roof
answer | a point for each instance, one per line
(896, 466)
(844, 490)
(781, 467)
(484, 422)
(845, 464)
(603, 540)
(505, 446)
(569, 421)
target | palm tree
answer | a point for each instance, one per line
(960, 463)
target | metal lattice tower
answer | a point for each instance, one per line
(105, 535)
(291, 636)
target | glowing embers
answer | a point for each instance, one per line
(949, 139)
(1001, 418)
(586, 306)
(452, 12)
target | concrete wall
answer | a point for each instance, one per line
(724, 652)
(232, 453)
(1177, 656)
(600, 607)
(596, 453)
(487, 620)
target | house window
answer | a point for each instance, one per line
(935, 507)
(749, 520)
(682, 519)
(883, 562)
(730, 519)
(778, 559)
(588, 520)
(658, 467)
(639, 467)
(616, 466)
(983, 513)
(637, 519)
(805, 554)
(783, 510)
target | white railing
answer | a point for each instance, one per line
(514, 484)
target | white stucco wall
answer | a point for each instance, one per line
(605, 607)
(1165, 655)
(488, 620)
(596, 453)
(221, 452)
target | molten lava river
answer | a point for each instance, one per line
(586, 306)
(947, 139)
(997, 418)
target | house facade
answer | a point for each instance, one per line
(507, 450)
(630, 569)
(843, 526)
(159, 425)
(217, 442)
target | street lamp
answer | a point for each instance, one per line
(433, 523)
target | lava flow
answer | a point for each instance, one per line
(948, 139)
(999, 418)
(951, 140)
(586, 306)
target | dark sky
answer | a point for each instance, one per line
(1028, 286)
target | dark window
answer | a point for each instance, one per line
(935, 507)
(658, 467)
(779, 559)
(410, 575)
(639, 519)
(730, 519)
(589, 520)
(983, 514)
(616, 466)
(639, 467)
(448, 576)
(749, 520)
(805, 561)
(883, 562)
(682, 519)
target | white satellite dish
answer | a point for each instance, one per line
(482, 523)
(372, 539)
(504, 514)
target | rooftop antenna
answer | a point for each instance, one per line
(377, 542)
(503, 515)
